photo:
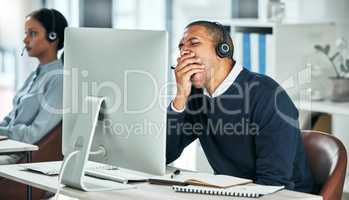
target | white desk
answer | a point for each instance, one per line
(12, 146)
(143, 190)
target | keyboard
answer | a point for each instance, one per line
(93, 169)
(53, 168)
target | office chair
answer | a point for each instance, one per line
(50, 149)
(328, 162)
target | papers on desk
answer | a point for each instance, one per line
(252, 191)
(199, 179)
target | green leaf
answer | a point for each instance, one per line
(327, 49)
(319, 48)
(334, 56)
(345, 68)
(342, 67)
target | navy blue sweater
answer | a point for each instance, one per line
(249, 131)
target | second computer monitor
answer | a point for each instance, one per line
(129, 69)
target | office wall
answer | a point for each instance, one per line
(12, 16)
(69, 8)
(90, 18)
(187, 11)
(321, 10)
(137, 14)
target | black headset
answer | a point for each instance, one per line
(52, 35)
(223, 49)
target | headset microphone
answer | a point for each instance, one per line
(23, 51)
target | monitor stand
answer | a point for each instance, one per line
(73, 174)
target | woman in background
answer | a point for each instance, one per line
(37, 106)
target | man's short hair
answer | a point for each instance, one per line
(215, 31)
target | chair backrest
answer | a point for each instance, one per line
(328, 162)
(50, 146)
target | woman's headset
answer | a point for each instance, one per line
(52, 35)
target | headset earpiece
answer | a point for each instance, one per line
(223, 49)
(52, 35)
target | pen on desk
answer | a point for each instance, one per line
(176, 172)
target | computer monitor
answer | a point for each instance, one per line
(123, 73)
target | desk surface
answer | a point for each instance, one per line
(10, 146)
(324, 106)
(143, 190)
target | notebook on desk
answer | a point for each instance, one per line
(199, 179)
(252, 191)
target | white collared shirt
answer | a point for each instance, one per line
(223, 87)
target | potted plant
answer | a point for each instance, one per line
(340, 82)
